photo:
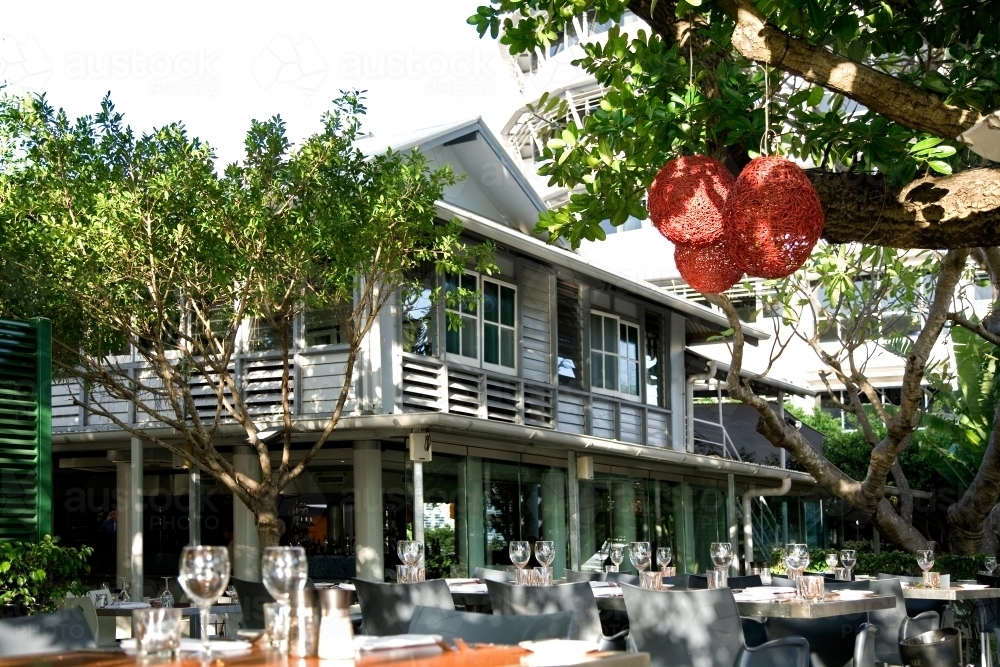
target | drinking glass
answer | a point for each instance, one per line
(990, 564)
(811, 588)
(925, 559)
(410, 551)
(204, 574)
(722, 554)
(617, 555)
(796, 557)
(717, 578)
(832, 560)
(650, 580)
(277, 619)
(663, 557)
(848, 558)
(157, 632)
(166, 597)
(284, 569)
(640, 554)
(545, 552)
(520, 554)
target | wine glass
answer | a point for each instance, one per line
(520, 554)
(722, 554)
(796, 557)
(832, 560)
(204, 574)
(663, 557)
(640, 554)
(925, 559)
(166, 597)
(848, 558)
(411, 552)
(617, 554)
(284, 569)
(545, 552)
(990, 564)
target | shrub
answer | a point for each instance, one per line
(38, 575)
(892, 562)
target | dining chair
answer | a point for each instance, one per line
(574, 576)
(679, 581)
(747, 581)
(103, 628)
(701, 628)
(511, 600)
(894, 624)
(622, 578)
(914, 607)
(386, 609)
(699, 581)
(487, 574)
(58, 632)
(988, 617)
(834, 641)
(476, 628)
(252, 596)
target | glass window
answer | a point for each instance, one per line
(418, 318)
(656, 374)
(498, 324)
(614, 355)
(326, 326)
(463, 341)
(569, 316)
(263, 336)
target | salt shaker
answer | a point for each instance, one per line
(336, 633)
(303, 624)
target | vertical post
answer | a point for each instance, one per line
(574, 512)
(554, 516)
(135, 501)
(368, 547)
(43, 425)
(418, 501)
(678, 382)
(469, 537)
(734, 536)
(194, 507)
(624, 512)
(782, 454)
(246, 544)
(123, 531)
(684, 520)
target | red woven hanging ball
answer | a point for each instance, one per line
(687, 197)
(708, 268)
(773, 218)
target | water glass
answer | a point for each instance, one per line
(651, 580)
(848, 558)
(157, 632)
(663, 557)
(406, 574)
(990, 564)
(811, 588)
(765, 576)
(617, 555)
(841, 574)
(668, 571)
(640, 554)
(932, 579)
(717, 579)
(524, 577)
(542, 576)
(545, 552)
(276, 625)
(204, 575)
(284, 569)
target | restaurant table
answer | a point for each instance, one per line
(833, 605)
(477, 656)
(953, 594)
(194, 613)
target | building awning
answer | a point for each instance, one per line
(696, 363)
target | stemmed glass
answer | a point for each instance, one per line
(990, 564)
(166, 597)
(640, 554)
(520, 554)
(663, 557)
(796, 557)
(722, 554)
(832, 560)
(848, 558)
(284, 569)
(123, 594)
(410, 552)
(545, 553)
(204, 574)
(617, 554)
(925, 559)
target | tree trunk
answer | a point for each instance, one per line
(966, 517)
(270, 527)
(991, 533)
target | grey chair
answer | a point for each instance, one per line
(58, 632)
(622, 578)
(698, 581)
(698, 628)
(894, 625)
(486, 574)
(573, 576)
(386, 609)
(836, 641)
(748, 581)
(252, 596)
(510, 600)
(475, 628)
(679, 581)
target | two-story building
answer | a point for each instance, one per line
(557, 411)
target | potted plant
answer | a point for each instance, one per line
(35, 576)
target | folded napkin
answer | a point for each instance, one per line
(346, 587)
(602, 584)
(189, 645)
(469, 588)
(392, 642)
(128, 605)
(459, 582)
(607, 592)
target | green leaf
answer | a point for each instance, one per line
(939, 166)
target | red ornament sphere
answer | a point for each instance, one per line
(773, 218)
(687, 197)
(708, 268)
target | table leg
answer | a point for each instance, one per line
(984, 640)
(195, 626)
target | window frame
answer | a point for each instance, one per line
(638, 361)
(479, 361)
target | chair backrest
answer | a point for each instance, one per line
(832, 640)
(252, 596)
(697, 581)
(747, 581)
(573, 576)
(476, 628)
(100, 591)
(685, 628)
(834, 585)
(679, 581)
(58, 632)
(510, 600)
(622, 578)
(888, 621)
(86, 607)
(386, 609)
(486, 574)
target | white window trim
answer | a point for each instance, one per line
(499, 368)
(478, 361)
(640, 347)
(454, 356)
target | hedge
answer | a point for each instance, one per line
(892, 562)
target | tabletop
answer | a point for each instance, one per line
(477, 656)
(831, 606)
(953, 593)
(185, 611)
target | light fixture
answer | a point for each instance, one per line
(983, 138)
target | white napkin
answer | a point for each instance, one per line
(607, 592)
(602, 584)
(129, 605)
(346, 587)
(469, 588)
(459, 582)
(194, 645)
(389, 642)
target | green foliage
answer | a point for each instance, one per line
(39, 575)
(891, 562)
(441, 557)
(958, 430)
(655, 109)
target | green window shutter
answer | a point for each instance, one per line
(25, 429)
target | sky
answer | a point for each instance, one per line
(216, 65)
